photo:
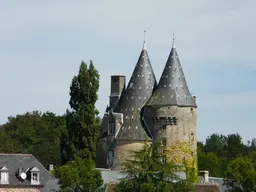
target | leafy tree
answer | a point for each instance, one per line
(82, 122)
(216, 144)
(79, 176)
(235, 146)
(145, 171)
(241, 175)
(33, 132)
(210, 162)
(200, 147)
(252, 156)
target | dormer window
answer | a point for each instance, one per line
(35, 176)
(4, 175)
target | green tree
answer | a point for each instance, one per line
(216, 144)
(145, 171)
(252, 156)
(79, 176)
(33, 132)
(82, 122)
(210, 162)
(235, 146)
(241, 175)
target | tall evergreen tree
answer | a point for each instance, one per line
(145, 171)
(82, 123)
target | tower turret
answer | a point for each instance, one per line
(138, 91)
(170, 113)
(121, 126)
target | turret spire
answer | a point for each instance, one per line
(172, 88)
(138, 91)
(173, 39)
(144, 42)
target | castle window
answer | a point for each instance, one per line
(164, 141)
(112, 128)
(164, 159)
(4, 175)
(191, 109)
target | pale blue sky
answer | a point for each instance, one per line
(42, 44)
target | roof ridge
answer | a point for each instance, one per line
(25, 154)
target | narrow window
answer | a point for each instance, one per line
(4, 178)
(111, 158)
(112, 130)
(164, 159)
(4, 175)
(35, 176)
(164, 141)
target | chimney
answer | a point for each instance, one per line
(204, 175)
(194, 97)
(116, 89)
(51, 167)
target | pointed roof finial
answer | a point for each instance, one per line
(173, 39)
(144, 42)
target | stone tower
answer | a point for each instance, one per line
(170, 113)
(121, 129)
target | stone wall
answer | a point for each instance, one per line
(122, 151)
(180, 139)
(184, 131)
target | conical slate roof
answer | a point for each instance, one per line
(138, 91)
(172, 88)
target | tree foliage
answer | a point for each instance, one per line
(79, 176)
(145, 171)
(241, 175)
(33, 132)
(228, 157)
(82, 123)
